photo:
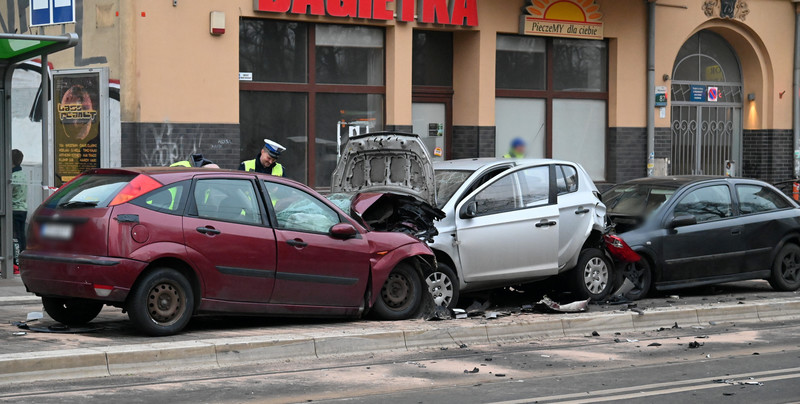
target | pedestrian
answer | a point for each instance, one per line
(195, 160)
(517, 149)
(267, 160)
(19, 198)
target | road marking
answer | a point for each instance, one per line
(695, 383)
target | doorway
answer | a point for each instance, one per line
(431, 123)
(432, 98)
(707, 105)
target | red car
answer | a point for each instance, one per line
(166, 243)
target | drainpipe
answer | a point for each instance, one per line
(651, 84)
(43, 104)
(796, 95)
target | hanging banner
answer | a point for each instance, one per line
(563, 18)
(77, 122)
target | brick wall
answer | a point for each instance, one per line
(767, 155)
(473, 141)
(161, 144)
(627, 154)
(663, 143)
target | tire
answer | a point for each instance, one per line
(641, 275)
(443, 286)
(161, 303)
(786, 269)
(72, 312)
(401, 294)
(593, 277)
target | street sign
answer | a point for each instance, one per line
(661, 96)
(713, 94)
(49, 12)
(698, 93)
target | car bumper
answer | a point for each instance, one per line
(79, 276)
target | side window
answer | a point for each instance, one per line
(501, 196)
(297, 210)
(227, 200)
(706, 204)
(535, 184)
(571, 178)
(169, 199)
(757, 199)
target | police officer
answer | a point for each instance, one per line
(195, 160)
(517, 149)
(267, 160)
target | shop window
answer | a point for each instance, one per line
(523, 118)
(274, 51)
(579, 134)
(580, 65)
(521, 62)
(344, 96)
(432, 61)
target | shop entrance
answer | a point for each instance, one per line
(706, 107)
(432, 97)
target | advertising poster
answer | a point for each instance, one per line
(76, 102)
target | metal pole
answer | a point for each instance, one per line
(651, 83)
(44, 105)
(796, 95)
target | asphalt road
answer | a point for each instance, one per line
(589, 369)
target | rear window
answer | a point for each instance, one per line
(88, 191)
(636, 200)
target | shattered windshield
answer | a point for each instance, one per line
(447, 183)
(636, 200)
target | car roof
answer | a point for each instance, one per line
(478, 163)
(168, 175)
(673, 181)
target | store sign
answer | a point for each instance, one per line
(77, 124)
(48, 12)
(448, 12)
(563, 18)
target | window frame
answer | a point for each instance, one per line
(739, 199)
(191, 205)
(679, 198)
(552, 198)
(560, 167)
(273, 215)
(311, 88)
(182, 201)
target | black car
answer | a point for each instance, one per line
(696, 230)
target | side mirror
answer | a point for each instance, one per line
(343, 231)
(470, 210)
(683, 220)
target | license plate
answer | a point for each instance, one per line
(57, 231)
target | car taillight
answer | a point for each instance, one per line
(139, 186)
(620, 250)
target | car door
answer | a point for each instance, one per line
(508, 228)
(228, 238)
(764, 220)
(575, 211)
(711, 247)
(315, 268)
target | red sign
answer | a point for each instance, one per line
(452, 12)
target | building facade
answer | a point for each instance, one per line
(568, 76)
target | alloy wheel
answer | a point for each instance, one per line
(440, 287)
(790, 267)
(595, 275)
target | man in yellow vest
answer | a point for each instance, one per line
(517, 149)
(267, 160)
(195, 160)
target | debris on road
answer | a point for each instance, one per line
(695, 344)
(500, 375)
(475, 370)
(439, 313)
(655, 344)
(477, 308)
(63, 329)
(733, 382)
(460, 314)
(595, 334)
(19, 333)
(35, 315)
(574, 307)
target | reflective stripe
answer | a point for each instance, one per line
(183, 163)
(250, 165)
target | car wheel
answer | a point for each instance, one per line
(592, 275)
(71, 311)
(786, 269)
(401, 294)
(642, 277)
(161, 303)
(443, 286)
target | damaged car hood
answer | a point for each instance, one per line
(386, 162)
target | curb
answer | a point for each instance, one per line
(229, 352)
(19, 300)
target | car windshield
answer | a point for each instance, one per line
(636, 200)
(447, 183)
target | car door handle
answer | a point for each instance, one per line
(208, 230)
(546, 224)
(582, 211)
(736, 232)
(297, 243)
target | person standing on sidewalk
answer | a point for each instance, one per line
(517, 149)
(266, 161)
(19, 198)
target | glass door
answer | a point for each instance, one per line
(430, 123)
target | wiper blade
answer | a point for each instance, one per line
(77, 204)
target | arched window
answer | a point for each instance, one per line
(707, 57)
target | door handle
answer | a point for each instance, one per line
(736, 232)
(297, 243)
(208, 230)
(546, 224)
(582, 211)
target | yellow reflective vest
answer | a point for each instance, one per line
(184, 163)
(250, 165)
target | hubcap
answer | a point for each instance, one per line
(635, 273)
(396, 293)
(441, 288)
(166, 303)
(790, 267)
(595, 275)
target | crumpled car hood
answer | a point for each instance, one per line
(386, 162)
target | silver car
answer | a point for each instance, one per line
(506, 222)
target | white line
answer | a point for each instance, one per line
(648, 386)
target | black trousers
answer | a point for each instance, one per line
(19, 228)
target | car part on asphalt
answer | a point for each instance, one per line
(73, 312)
(574, 307)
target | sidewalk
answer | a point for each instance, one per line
(12, 292)
(216, 341)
